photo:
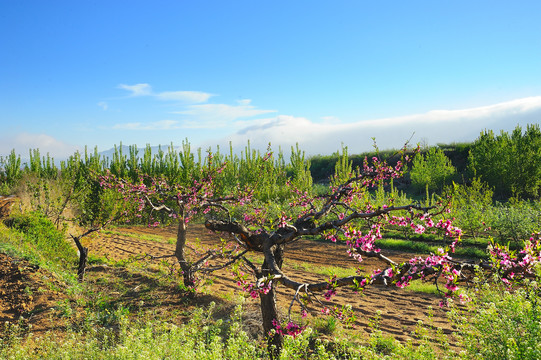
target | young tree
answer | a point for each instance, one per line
(10, 169)
(472, 205)
(432, 170)
(510, 163)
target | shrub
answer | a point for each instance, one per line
(472, 206)
(40, 233)
(515, 221)
(499, 324)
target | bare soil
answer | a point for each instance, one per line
(27, 296)
(400, 310)
(31, 296)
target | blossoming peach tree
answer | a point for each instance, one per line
(345, 214)
(180, 203)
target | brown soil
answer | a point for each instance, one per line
(27, 298)
(400, 310)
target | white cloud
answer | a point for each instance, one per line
(194, 113)
(191, 97)
(103, 105)
(244, 101)
(330, 119)
(137, 89)
(184, 96)
(218, 115)
(439, 126)
(156, 125)
(23, 142)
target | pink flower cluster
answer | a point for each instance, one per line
(284, 220)
(512, 265)
(419, 266)
(301, 199)
(381, 171)
(450, 230)
(331, 288)
(257, 217)
(356, 240)
(343, 313)
(251, 288)
(290, 328)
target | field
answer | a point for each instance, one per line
(141, 293)
(398, 311)
(308, 260)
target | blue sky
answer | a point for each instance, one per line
(317, 73)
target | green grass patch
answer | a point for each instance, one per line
(501, 324)
(405, 245)
(426, 248)
(39, 232)
(422, 287)
(34, 249)
(202, 337)
(321, 270)
(155, 238)
(33, 237)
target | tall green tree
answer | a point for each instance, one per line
(510, 163)
(432, 170)
(10, 168)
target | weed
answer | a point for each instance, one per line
(499, 324)
(40, 232)
(326, 325)
(382, 344)
(423, 287)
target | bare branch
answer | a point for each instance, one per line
(251, 240)
(233, 260)
(157, 208)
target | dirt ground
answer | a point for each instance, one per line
(400, 310)
(28, 298)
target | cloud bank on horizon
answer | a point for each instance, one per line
(242, 122)
(23, 142)
(433, 127)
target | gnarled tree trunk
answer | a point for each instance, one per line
(185, 265)
(269, 311)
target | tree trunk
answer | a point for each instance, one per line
(82, 264)
(269, 310)
(83, 256)
(187, 274)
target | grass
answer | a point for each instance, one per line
(108, 319)
(16, 244)
(501, 323)
(155, 238)
(427, 248)
(202, 337)
(321, 270)
(423, 287)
